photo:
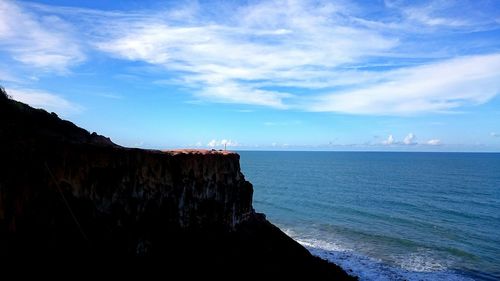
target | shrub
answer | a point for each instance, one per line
(3, 93)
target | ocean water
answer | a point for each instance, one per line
(386, 216)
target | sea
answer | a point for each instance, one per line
(386, 215)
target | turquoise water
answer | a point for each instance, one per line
(386, 216)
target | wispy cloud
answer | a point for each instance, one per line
(436, 87)
(323, 56)
(427, 15)
(249, 57)
(111, 96)
(423, 16)
(268, 44)
(36, 40)
(45, 100)
(285, 123)
(6, 75)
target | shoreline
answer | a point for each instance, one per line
(369, 269)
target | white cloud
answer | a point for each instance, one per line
(213, 143)
(389, 141)
(436, 87)
(234, 93)
(409, 139)
(434, 142)
(264, 46)
(40, 41)
(424, 15)
(272, 43)
(222, 143)
(439, 15)
(45, 100)
(228, 143)
(253, 53)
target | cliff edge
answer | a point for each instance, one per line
(68, 194)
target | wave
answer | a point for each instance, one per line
(411, 267)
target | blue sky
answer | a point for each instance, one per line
(280, 75)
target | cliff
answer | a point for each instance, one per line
(67, 194)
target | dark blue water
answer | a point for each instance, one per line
(386, 216)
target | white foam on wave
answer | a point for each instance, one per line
(315, 243)
(421, 262)
(412, 267)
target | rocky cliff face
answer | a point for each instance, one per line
(66, 193)
(123, 188)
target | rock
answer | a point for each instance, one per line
(66, 194)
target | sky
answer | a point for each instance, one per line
(262, 75)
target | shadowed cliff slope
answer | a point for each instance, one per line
(67, 194)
